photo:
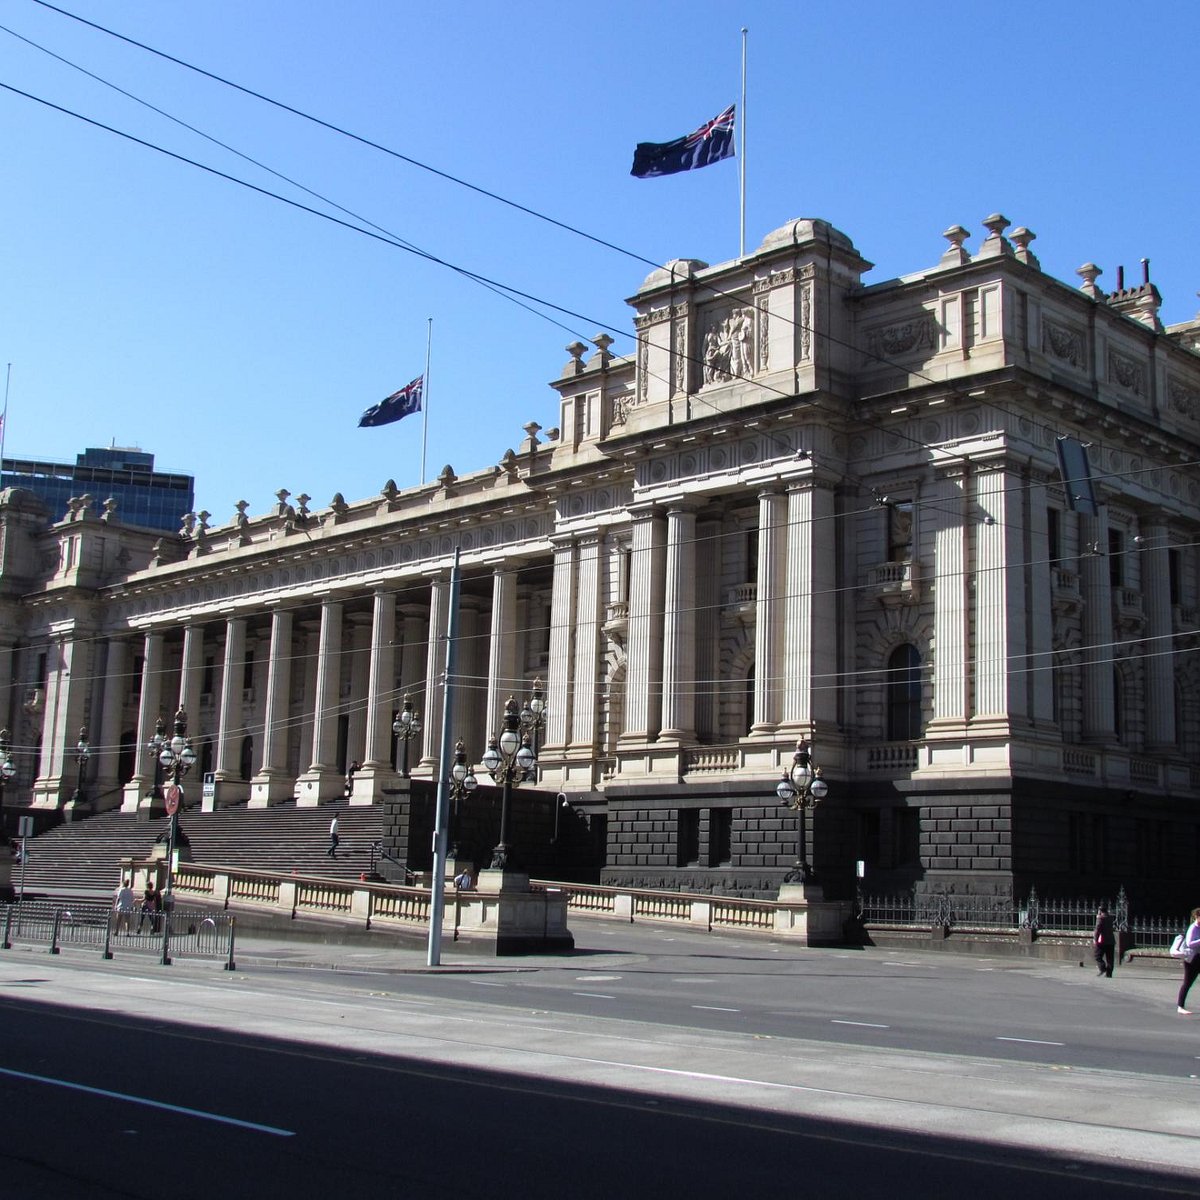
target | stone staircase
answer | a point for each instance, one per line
(83, 857)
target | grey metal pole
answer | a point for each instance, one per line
(437, 899)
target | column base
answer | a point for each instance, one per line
(271, 788)
(315, 787)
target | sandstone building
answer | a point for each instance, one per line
(808, 507)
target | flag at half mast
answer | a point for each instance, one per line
(710, 143)
(398, 404)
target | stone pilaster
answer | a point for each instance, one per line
(951, 609)
(1096, 655)
(679, 627)
(643, 673)
(1159, 648)
(562, 672)
(584, 697)
(769, 613)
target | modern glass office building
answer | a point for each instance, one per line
(145, 497)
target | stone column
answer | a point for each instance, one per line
(679, 627)
(580, 732)
(64, 716)
(502, 653)
(231, 727)
(1099, 716)
(273, 782)
(435, 670)
(378, 770)
(769, 666)
(562, 669)
(1159, 647)
(310, 645)
(951, 666)
(1040, 679)
(810, 677)
(112, 710)
(708, 628)
(191, 676)
(323, 780)
(643, 669)
(356, 706)
(138, 791)
(1000, 624)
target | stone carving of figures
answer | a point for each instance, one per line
(715, 357)
(739, 330)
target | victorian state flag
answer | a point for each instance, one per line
(398, 404)
(710, 143)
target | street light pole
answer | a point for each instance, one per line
(802, 788)
(83, 752)
(155, 745)
(462, 784)
(509, 759)
(406, 725)
(177, 757)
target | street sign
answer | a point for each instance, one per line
(173, 795)
(25, 827)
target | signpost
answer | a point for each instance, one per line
(24, 832)
(172, 796)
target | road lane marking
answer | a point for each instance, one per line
(486, 983)
(595, 978)
(1030, 1041)
(715, 1008)
(594, 995)
(145, 1100)
(863, 1024)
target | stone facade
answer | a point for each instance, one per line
(805, 508)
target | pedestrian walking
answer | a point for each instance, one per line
(151, 901)
(1104, 943)
(1191, 966)
(333, 839)
(123, 905)
(350, 773)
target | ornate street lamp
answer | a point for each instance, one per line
(8, 768)
(533, 716)
(406, 726)
(801, 788)
(83, 751)
(509, 759)
(155, 745)
(176, 757)
(462, 784)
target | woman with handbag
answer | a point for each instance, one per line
(1191, 966)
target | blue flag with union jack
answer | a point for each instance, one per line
(398, 404)
(710, 143)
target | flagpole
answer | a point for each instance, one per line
(425, 399)
(4, 416)
(742, 156)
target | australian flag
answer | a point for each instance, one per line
(709, 144)
(398, 404)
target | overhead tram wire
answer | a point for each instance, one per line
(532, 212)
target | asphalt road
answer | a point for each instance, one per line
(656, 1064)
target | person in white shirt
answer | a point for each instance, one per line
(333, 839)
(124, 907)
(1191, 966)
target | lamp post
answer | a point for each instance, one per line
(533, 716)
(83, 751)
(509, 759)
(177, 758)
(406, 725)
(155, 745)
(462, 784)
(8, 768)
(801, 788)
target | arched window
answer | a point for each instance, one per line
(904, 694)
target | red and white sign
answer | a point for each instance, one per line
(173, 795)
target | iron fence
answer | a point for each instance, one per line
(178, 933)
(1042, 916)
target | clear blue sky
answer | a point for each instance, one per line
(145, 303)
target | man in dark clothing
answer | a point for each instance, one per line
(1104, 941)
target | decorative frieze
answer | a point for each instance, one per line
(728, 345)
(1063, 343)
(1126, 373)
(917, 335)
(1181, 398)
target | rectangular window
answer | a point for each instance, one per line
(1054, 535)
(689, 837)
(720, 836)
(248, 671)
(900, 531)
(868, 836)
(906, 837)
(1175, 576)
(206, 685)
(1116, 557)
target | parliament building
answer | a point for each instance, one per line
(807, 508)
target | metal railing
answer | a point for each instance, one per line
(88, 925)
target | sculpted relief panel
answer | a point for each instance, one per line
(728, 348)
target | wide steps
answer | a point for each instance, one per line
(85, 855)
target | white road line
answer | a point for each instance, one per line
(594, 995)
(863, 1024)
(486, 983)
(715, 1008)
(1030, 1041)
(187, 1112)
